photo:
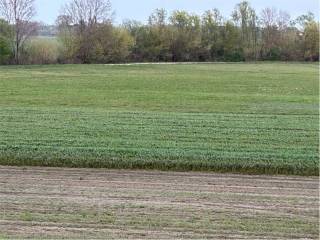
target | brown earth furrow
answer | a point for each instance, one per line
(177, 187)
(285, 210)
(301, 209)
(36, 227)
(98, 173)
(164, 184)
(42, 203)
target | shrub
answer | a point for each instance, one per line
(42, 51)
(5, 51)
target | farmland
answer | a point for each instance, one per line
(57, 203)
(243, 118)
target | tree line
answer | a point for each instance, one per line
(86, 34)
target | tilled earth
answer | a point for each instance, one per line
(44, 203)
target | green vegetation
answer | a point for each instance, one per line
(42, 50)
(86, 33)
(253, 118)
(5, 47)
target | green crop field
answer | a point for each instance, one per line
(251, 118)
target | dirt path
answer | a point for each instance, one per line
(87, 203)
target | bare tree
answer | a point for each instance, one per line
(274, 25)
(19, 13)
(268, 20)
(88, 12)
(283, 20)
(84, 18)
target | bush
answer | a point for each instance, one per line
(5, 51)
(112, 49)
(41, 51)
(5, 46)
(273, 54)
(235, 56)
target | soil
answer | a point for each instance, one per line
(55, 203)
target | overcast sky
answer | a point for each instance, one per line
(141, 9)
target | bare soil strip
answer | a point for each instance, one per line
(44, 203)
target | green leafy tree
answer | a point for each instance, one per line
(159, 36)
(246, 19)
(232, 47)
(143, 48)
(308, 31)
(113, 44)
(311, 32)
(5, 44)
(186, 37)
(211, 31)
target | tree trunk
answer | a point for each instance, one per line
(17, 59)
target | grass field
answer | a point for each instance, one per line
(251, 118)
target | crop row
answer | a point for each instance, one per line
(81, 137)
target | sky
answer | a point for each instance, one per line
(48, 10)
